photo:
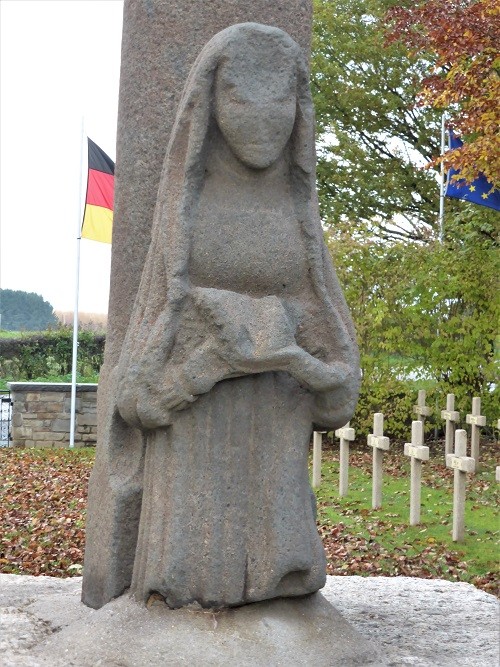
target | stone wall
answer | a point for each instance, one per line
(41, 414)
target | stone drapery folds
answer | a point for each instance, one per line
(239, 341)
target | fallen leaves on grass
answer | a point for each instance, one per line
(42, 524)
(350, 554)
(42, 511)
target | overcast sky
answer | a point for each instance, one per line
(60, 60)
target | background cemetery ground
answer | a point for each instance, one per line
(384, 543)
(44, 502)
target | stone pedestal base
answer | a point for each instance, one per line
(277, 632)
(288, 632)
(383, 621)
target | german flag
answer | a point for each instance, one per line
(98, 217)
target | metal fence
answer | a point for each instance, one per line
(5, 418)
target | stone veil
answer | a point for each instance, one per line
(240, 342)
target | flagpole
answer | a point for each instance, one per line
(441, 222)
(77, 290)
(442, 184)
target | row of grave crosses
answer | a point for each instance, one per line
(418, 453)
(459, 461)
(380, 443)
(451, 417)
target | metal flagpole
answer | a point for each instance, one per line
(77, 290)
(443, 180)
(441, 223)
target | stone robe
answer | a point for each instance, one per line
(240, 340)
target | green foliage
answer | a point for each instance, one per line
(25, 311)
(383, 391)
(426, 317)
(425, 313)
(47, 357)
(373, 140)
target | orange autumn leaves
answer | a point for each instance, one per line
(460, 40)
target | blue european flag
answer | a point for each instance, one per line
(478, 192)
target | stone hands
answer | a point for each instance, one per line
(258, 335)
(248, 336)
(316, 374)
(152, 407)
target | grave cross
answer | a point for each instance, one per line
(418, 453)
(476, 420)
(421, 409)
(317, 442)
(451, 416)
(462, 464)
(345, 434)
(380, 444)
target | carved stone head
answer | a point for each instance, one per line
(255, 96)
(251, 82)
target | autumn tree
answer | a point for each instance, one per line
(380, 207)
(460, 41)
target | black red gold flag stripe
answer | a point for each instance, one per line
(98, 217)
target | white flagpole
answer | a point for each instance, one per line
(443, 181)
(77, 290)
(441, 220)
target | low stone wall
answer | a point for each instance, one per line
(41, 414)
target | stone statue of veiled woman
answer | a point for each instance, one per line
(240, 340)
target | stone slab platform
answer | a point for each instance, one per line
(373, 621)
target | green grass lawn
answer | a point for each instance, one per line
(385, 534)
(44, 496)
(18, 334)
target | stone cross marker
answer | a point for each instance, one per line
(346, 435)
(421, 409)
(317, 443)
(476, 420)
(380, 444)
(418, 453)
(451, 416)
(462, 464)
